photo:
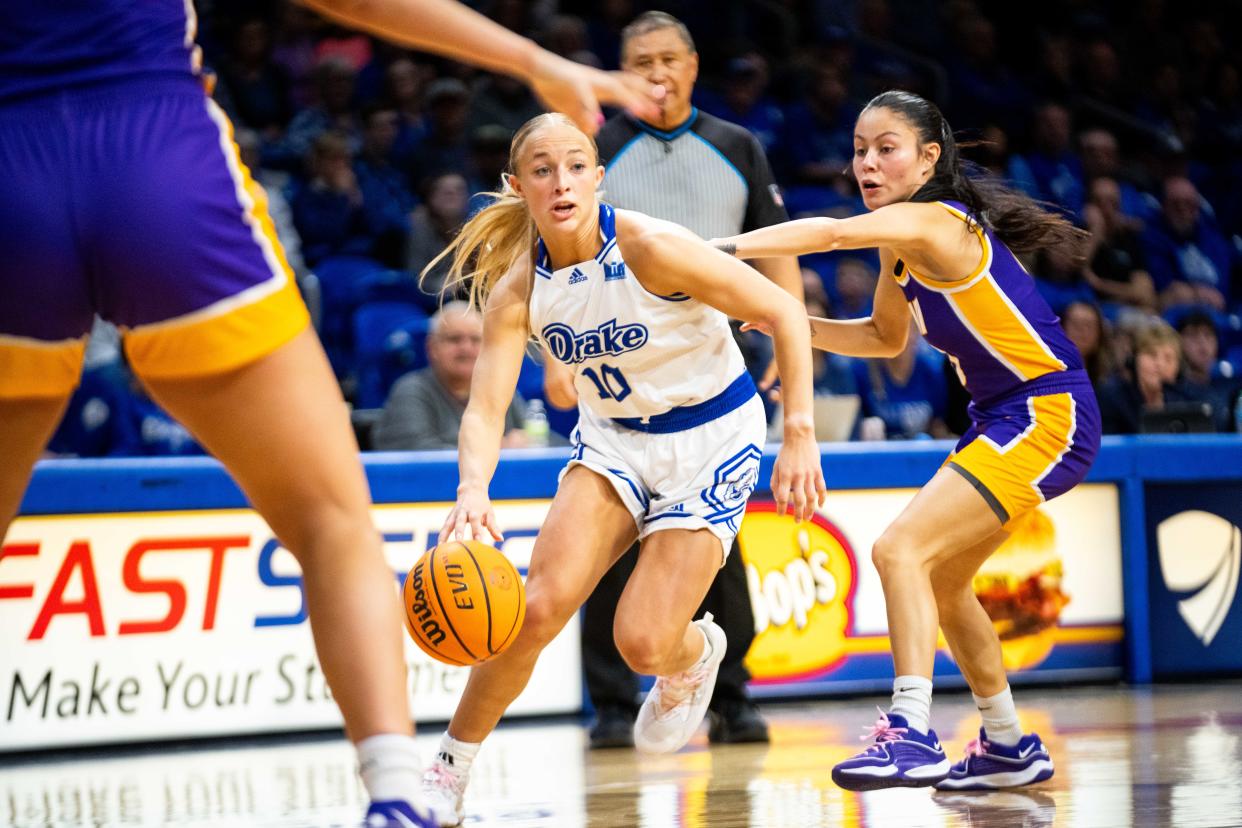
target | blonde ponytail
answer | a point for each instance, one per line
(487, 246)
(500, 234)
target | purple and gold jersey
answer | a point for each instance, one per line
(994, 326)
(52, 45)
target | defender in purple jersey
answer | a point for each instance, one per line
(947, 245)
(122, 195)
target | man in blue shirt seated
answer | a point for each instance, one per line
(903, 397)
(1187, 256)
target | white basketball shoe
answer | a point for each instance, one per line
(675, 707)
(443, 789)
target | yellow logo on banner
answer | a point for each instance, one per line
(801, 578)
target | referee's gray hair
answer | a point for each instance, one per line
(653, 21)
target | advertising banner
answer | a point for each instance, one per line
(130, 627)
(1194, 568)
(1054, 591)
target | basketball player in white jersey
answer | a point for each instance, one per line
(670, 434)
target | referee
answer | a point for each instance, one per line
(712, 177)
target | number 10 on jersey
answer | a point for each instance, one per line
(609, 381)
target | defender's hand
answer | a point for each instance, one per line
(578, 91)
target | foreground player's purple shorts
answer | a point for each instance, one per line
(129, 200)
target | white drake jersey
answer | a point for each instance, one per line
(649, 362)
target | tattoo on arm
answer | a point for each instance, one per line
(728, 248)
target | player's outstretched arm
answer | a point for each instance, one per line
(483, 423)
(446, 27)
(906, 226)
(882, 334)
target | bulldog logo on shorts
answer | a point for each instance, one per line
(735, 480)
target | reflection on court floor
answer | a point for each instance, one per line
(1168, 756)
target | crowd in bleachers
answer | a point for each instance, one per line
(1125, 116)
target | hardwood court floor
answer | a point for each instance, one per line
(1169, 756)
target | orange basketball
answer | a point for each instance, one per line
(464, 602)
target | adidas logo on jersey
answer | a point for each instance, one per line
(609, 339)
(613, 272)
(577, 276)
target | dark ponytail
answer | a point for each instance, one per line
(1017, 220)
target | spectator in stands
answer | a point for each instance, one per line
(566, 35)
(903, 397)
(1059, 278)
(333, 110)
(992, 151)
(1157, 353)
(984, 88)
(604, 29)
(295, 36)
(1101, 77)
(855, 288)
(425, 407)
(257, 88)
(386, 197)
(1085, 326)
(818, 138)
(833, 373)
(744, 99)
(435, 222)
(274, 184)
(1204, 376)
(1054, 78)
(1051, 171)
(404, 84)
(111, 415)
(1187, 256)
(329, 209)
(1101, 158)
(503, 101)
(444, 146)
(489, 155)
(1116, 265)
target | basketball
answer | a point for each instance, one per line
(464, 602)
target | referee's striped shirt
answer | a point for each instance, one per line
(708, 175)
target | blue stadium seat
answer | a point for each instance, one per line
(346, 283)
(390, 341)
(339, 278)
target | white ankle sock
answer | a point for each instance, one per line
(707, 650)
(912, 699)
(389, 766)
(457, 755)
(1000, 717)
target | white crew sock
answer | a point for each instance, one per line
(457, 755)
(389, 766)
(707, 649)
(912, 699)
(1000, 717)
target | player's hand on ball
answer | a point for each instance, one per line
(469, 517)
(798, 478)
